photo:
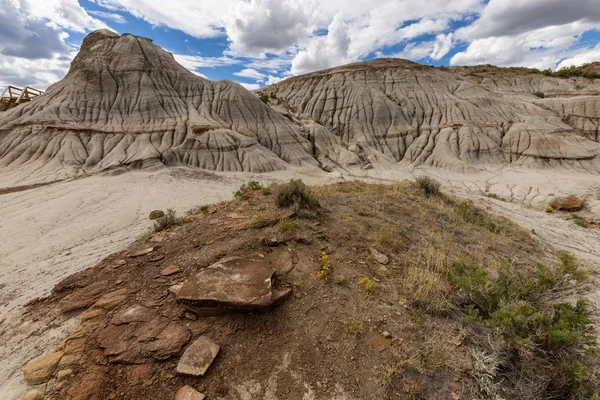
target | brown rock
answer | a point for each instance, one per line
(112, 299)
(93, 314)
(168, 342)
(380, 343)
(380, 257)
(41, 369)
(188, 393)
(569, 203)
(138, 374)
(170, 270)
(136, 313)
(234, 283)
(156, 214)
(64, 374)
(198, 357)
(141, 252)
(33, 395)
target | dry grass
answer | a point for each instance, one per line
(426, 290)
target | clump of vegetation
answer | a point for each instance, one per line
(568, 72)
(492, 195)
(324, 266)
(285, 225)
(540, 95)
(476, 216)
(168, 220)
(296, 194)
(248, 187)
(426, 289)
(428, 185)
(355, 326)
(366, 285)
(549, 209)
(580, 221)
(264, 97)
(515, 309)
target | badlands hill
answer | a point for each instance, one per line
(127, 103)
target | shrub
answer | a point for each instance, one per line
(296, 194)
(264, 97)
(567, 72)
(580, 221)
(549, 209)
(167, 220)
(428, 185)
(204, 208)
(248, 187)
(540, 95)
(284, 225)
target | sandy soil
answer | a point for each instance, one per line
(50, 232)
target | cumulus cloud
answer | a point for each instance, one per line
(581, 56)
(250, 73)
(258, 27)
(324, 51)
(33, 39)
(271, 80)
(193, 62)
(249, 86)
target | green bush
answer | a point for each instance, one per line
(428, 185)
(540, 95)
(167, 220)
(568, 72)
(264, 97)
(296, 194)
(580, 221)
(248, 187)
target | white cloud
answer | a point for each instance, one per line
(441, 46)
(249, 86)
(324, 51)
(192, 62)
(271, 80)
(251, 74)
(581, 56)
(118, 18)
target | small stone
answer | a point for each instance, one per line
(33, 395)
(198, 357)
(135, 313)
(386, 334)
(142, 252)
(170, 270)
(41, 369)
(190, 316)
(380, 257)
(380, 343)
(156, 214)
(188, 393)
(65, 373)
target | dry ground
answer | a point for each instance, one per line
(402, 337)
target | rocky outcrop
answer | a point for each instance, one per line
(390, 111)
(127, 103)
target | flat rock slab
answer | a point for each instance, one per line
(136, 313)
(188, 393)
(170, 270)
(41, 369)
(141, 252)
(198, 357)
(233, 283)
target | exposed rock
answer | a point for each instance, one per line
(156, 214)
(63, 374)
(380, 343)
(141, 252)
(127, 102)
(112, 299)
(188, 393)
(33, 395)
(241, 282)
(168, 342)
(198, 357)
(41, 369)
(135, 313)
(380, 257)
(569, 203)
(170, 270)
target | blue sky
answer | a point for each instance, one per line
(257, 42)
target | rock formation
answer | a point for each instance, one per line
(390, 111)
(126, 103)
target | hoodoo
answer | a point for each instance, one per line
(127, 103)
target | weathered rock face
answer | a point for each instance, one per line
(126, 102)
(198, 357)
(391, 111)
(242, 282)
